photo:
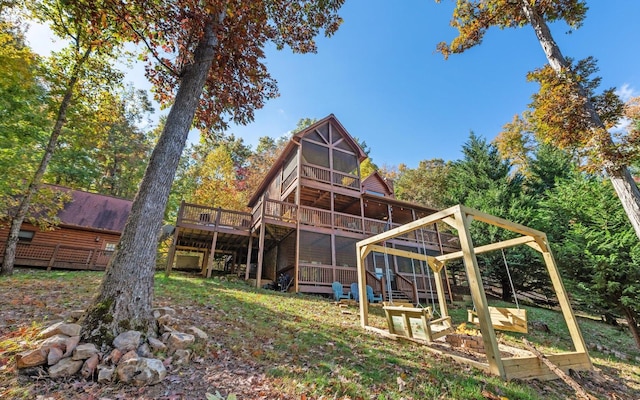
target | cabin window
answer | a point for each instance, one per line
(344, 162)
(345, 252)
(26, 236)
(109, 246)
(315, 154)
(373, 192)
(315, 248)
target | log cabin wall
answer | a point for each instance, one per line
(68, 236)
(63, 247)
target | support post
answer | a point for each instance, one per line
(478, 295)
(261, 243)
(212, 254)
(563, 299)
(172, 249)
(362, 289)
(247, 270)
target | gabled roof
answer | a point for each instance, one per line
(376, 176)
(94, 211)
(293, 143)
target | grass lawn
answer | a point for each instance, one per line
(265, 344)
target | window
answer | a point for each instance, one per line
(109, 246)
(26, 236)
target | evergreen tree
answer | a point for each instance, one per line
(595, 245)
(482, 180)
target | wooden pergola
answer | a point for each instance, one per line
(460, 217)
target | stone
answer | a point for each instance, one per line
(114, 357)
(179, 340)
(61, 328)
(84, 351)
(141, 371)
(31, 358)
(198, 333)
(65, 367)
(144, 350)
(58, 340)
(160, 311)
(55, 355)
(169, 321)
(131, 354)
(71, 344)
(156, 344)
(129, 340)
(75, 315)
(89, 366)
(105, 373)
(181, 357)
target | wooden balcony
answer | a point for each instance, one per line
(335, 178)
(210, 218)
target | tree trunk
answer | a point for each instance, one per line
(25, 202)
(632, 321)
(125, 297)
(620, 177)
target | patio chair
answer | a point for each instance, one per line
(372, 298)
(354, 292)
(338, 294)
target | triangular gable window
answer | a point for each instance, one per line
(313, 135)
(324, 132)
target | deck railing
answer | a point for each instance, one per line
(407, 287)
(51, 256)
(330, 177)
(346, 180)
(318, 274)
(348, 222)
(280, 210)
(209, 216)
(315, 216)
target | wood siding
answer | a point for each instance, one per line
(63, 247)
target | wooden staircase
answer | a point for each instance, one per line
(398, 296)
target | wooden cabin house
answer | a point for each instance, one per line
(89, 230)
(307, 215)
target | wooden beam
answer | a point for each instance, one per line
(361, 252)
(212, 254)
(563, 298)
(411, 226)
(489, 247)
(172, 249)
(479, 297)
(397, 252)
(249, 251)
(501, 222)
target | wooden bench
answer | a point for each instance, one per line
(416, 323)
(505, 319)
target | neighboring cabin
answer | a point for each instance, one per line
(89, 230)
(307, 215)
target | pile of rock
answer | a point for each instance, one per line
(130, 360)
(470, 342)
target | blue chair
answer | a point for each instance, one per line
(354, 292)
(372, 298)
(338, 294)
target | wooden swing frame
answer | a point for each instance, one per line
(459, 217)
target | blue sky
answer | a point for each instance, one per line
(381, 77)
